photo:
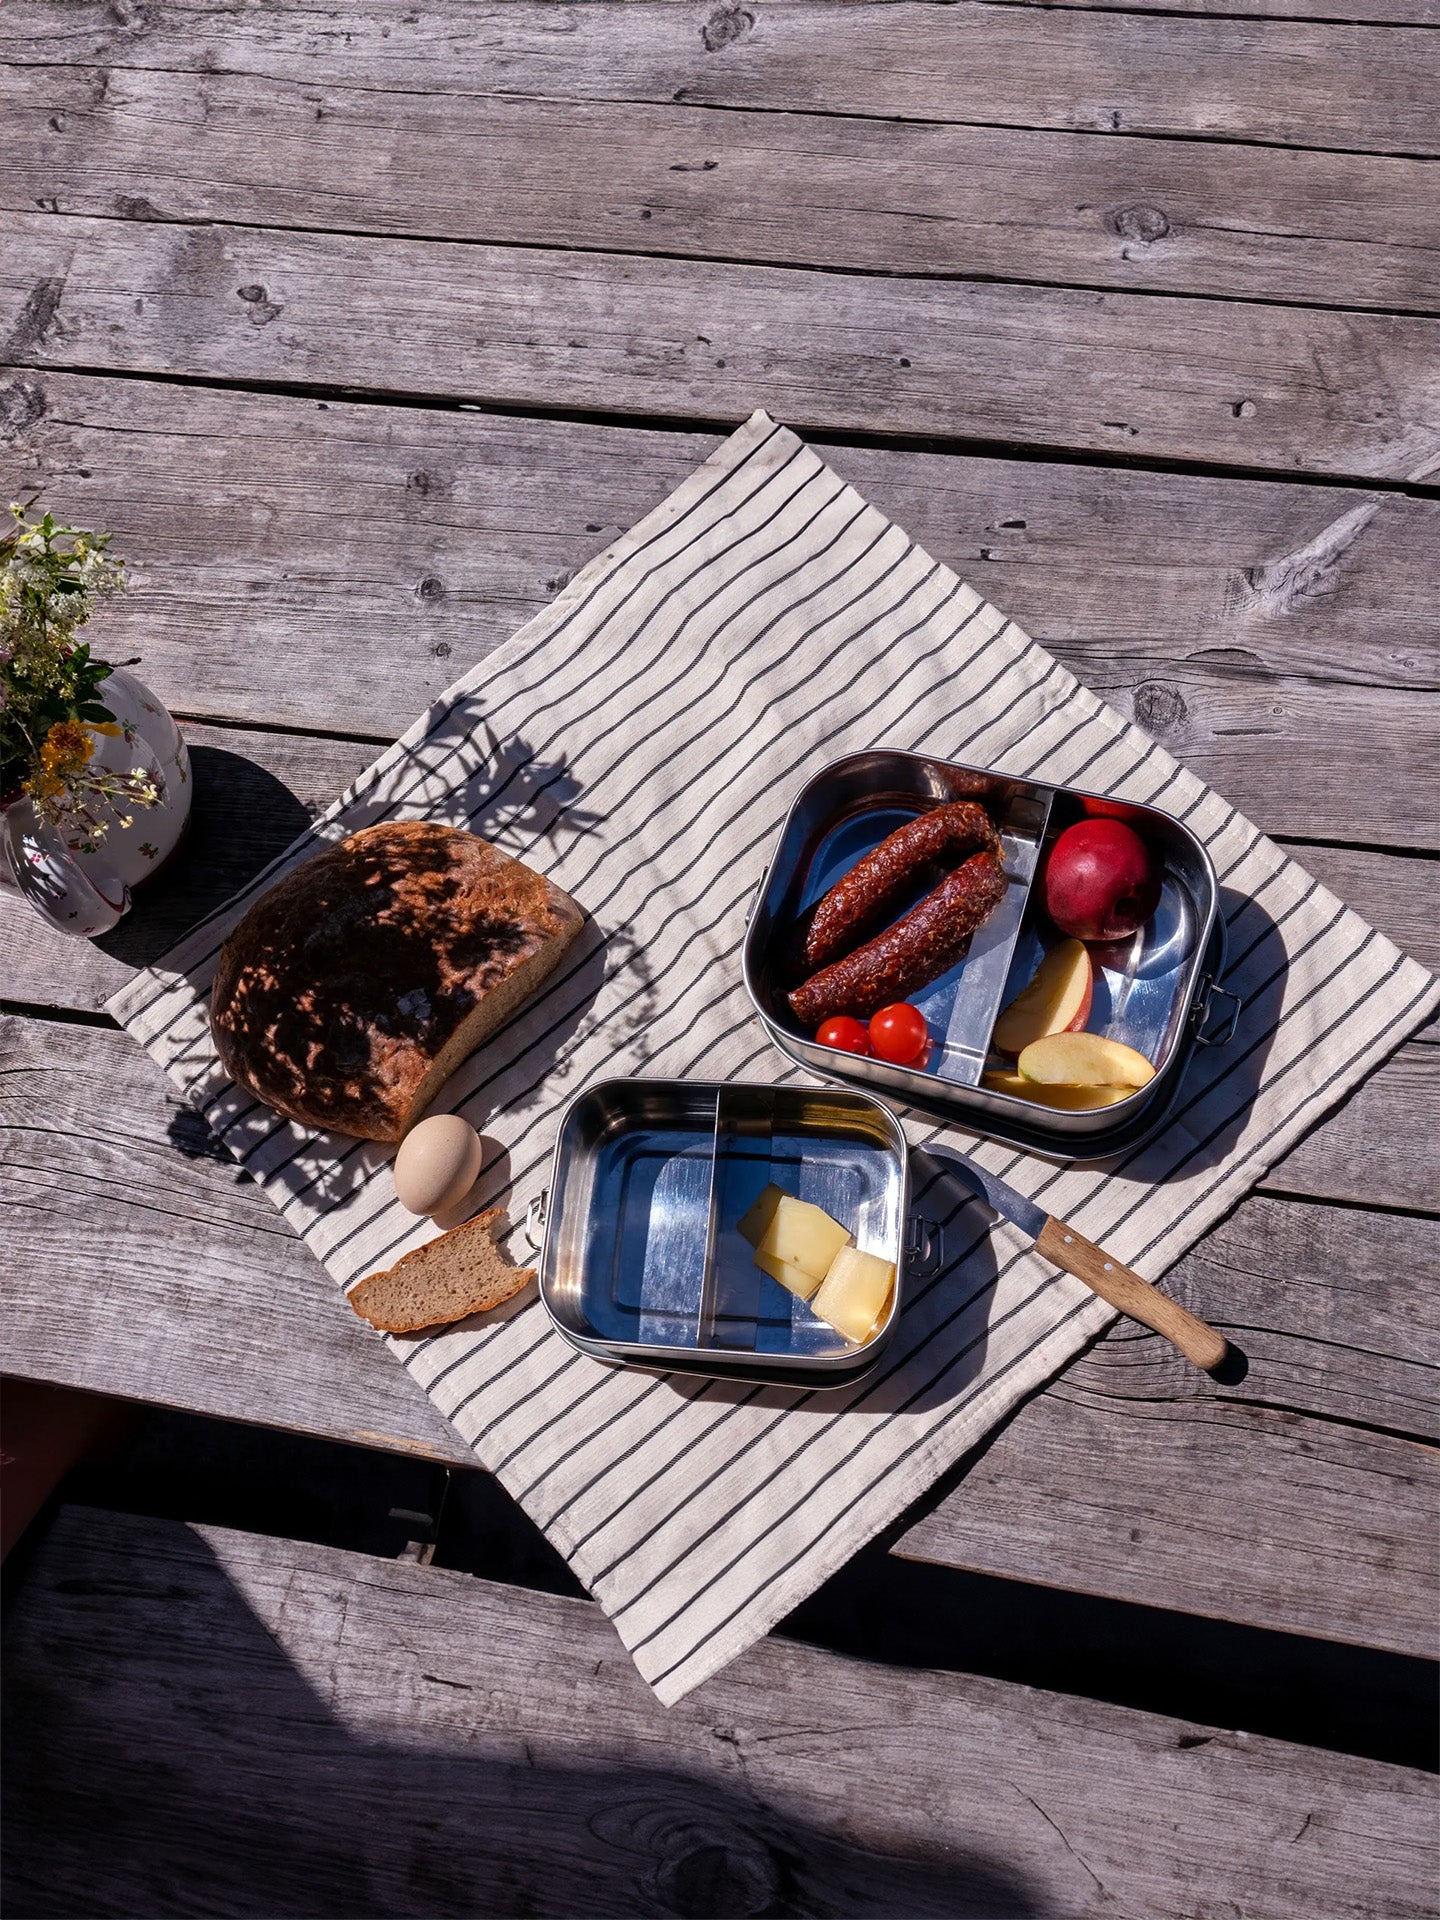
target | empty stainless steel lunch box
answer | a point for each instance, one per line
(642, 1262)
(1156, 997)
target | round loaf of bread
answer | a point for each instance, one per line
(354, 987)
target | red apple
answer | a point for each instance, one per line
(1101, 880)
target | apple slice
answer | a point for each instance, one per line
(1057, 999)
(1068, 1099)
(1084, 1060)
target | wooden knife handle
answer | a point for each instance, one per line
(1132, 1295)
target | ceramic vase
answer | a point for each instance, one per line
(88, 892)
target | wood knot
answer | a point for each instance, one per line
(725, 26)
(1159, 707)
(1242, 409)
(430, 588)
(262, 308)
(720, 1879)
(1146, 224)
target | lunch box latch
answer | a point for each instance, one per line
(535, 1219)
(1205, 1000)
(924, 1247)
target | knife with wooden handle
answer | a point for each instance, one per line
(1066, 1247)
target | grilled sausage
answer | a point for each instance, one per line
(912, 953)
(875, 884)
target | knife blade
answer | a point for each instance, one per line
(1066, 1247)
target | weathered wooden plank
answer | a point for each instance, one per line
(1400, 896)
(136, 1256)
(1179, 216)
(1306, 84)
(255, 791)
(136, 1296)
(1220, 1514)
(1380, 1142)
(279, 546)
(185, 1699)
(333, 565)
(1293, 389)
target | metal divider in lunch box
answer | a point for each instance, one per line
(642, 1262)
(849, 807)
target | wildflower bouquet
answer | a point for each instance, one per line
(50, 709)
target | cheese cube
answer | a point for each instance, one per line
(855, 1292)
(802, 1235)
(795, 1278)
(761, 1213)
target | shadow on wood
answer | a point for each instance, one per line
(205, 1773)
(243, 816)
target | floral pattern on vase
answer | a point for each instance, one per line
(85, 889)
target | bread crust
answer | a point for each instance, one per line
(355, 979)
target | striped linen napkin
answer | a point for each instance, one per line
(639, 741)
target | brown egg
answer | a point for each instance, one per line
(438, 1163)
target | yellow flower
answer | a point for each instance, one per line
(66, 748)
(107, 727)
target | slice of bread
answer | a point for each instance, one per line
(461, 1273)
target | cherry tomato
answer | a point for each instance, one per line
(899, 1034)
(846, 1034)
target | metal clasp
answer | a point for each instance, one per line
(924, 1246)
(535, 1219)
(1228, 1026)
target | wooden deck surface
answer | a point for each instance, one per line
(365, 327)
(451, 1744)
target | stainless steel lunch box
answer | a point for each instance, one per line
(642, 1262)
(1157, 996)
